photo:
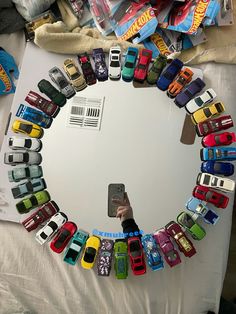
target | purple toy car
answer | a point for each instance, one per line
(189, 92)
(101, 70)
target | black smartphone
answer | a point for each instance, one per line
(115, 191)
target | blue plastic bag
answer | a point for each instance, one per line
(7, 66)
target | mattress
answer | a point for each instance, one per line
(35, 280)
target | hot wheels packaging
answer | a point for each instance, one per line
(7, 65)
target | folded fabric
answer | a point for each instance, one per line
(10, 20)
(30, 9)
(7, 65)
(220, 45)
(56, 38)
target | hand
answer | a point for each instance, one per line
(124, 210)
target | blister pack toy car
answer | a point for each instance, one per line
(104, 260)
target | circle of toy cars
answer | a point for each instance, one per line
(63, 234)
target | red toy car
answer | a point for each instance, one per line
(214, 125)
(208, 195)
(170, 254)
(63, 237)
(136, 256)
(221, 139)
(43, 104)
(184, 244)
(41, 215)
(140, 72)
(180, 12)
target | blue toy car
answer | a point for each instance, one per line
(34, 116)
(218, 153)
(129, 64)
(197, 206)
(189, 92)
(154, 258)
(169, 74)
(75, 247)
(215, 167)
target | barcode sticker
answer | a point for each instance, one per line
(85, 112)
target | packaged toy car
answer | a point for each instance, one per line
(104, 260)
(34, 116)
(214, 125)
(45, 17)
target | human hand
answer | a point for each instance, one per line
(124, 210)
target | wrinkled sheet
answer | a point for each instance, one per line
(33, 279)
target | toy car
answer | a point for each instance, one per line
(218, 153)
(144, 59)
(204, 99)
(29, 187)
(168, 74)
(77, 7)
(184, 244)
(183, 78)
(101, 70)
(99, 10)
(42, 104)
(65, 233)
(187, 221)
(76, 78)
(75, 247)
(197, 206)
(214, 125)
(46, 17)
(52, 226)
(115, 63)
(30, 129)
(207, 112)
(215, 182)
(189, 92)
(208, 195)
(156, 68)
(36, 199)
(129, 64)
(30, 172)
(34, 116)
(40, 216)
(136, 256)
(215, 167)
(32, 144)
(48, 89)
(154, 258)
(87, 69)
(60, 80)
(90, 252)
(29, 158)
(104, 259)
(171, 255)
(226, 138)
(121, 259)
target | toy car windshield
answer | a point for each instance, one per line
(26, 128)
(89, 255)
(115, 64)
(129, 65)
(61, 239)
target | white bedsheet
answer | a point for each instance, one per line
(35, 280)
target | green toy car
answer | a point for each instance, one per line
(48, 89)
(121, 259)
(33, 201)
(156, 69)
(187, 221)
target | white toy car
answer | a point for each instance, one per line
(60, 80)
(34, 144)
(28, 158)
(115, 63)
(200, 101)
(215, 182)
(49, 230)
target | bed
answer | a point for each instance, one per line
(33, 280)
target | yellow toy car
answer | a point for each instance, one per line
(30, 129)
(90, 252)
(76, 78)
(207, 112)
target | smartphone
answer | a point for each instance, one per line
(117, 191)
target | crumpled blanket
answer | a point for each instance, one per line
(10, 20)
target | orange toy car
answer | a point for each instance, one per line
(183, 78)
